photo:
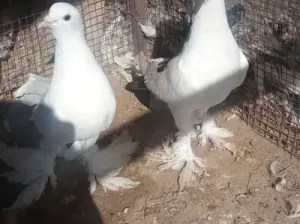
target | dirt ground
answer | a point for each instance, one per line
(237, 188)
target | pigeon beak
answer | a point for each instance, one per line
(46, 22)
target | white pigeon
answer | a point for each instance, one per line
(79, 103)
(79, 96)
(209, 67)
(76, 105)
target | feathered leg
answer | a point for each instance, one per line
(181, 156)
(78, 148)
(210, 132)
(105, 165)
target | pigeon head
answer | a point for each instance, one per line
(63, 18)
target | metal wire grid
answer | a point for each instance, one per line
(268, 32)
(107, 30)
(171, 19)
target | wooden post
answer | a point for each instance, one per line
(137, 9)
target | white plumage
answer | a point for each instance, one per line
(74, 107)
(79, 103)
(209, 67)
(33, 90)
(104, 165)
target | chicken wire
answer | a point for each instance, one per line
(267, 30)
(269, 35)
(25, 49)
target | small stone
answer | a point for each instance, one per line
(206, 174)
(139, 204)
(283, 181)
(279, 187)
(249, 159)
(125, 210)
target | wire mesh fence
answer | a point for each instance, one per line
(269, 35)
(267, 31)
(25, 49)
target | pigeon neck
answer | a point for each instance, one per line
(67, 35)
(209, 21)
(69, 41)
(211, 15)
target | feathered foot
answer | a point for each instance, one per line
(180, 157)
(104, 165)
(210, 132)
(111, 182)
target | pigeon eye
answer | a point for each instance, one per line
(67, 17)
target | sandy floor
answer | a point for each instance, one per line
(236, 189)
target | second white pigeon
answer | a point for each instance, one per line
(209, 67)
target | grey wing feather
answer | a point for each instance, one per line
(30, 162)
(19, 159)
(28, 95)
(32, 91)
(31, 193)
(19, 176)
(32, 167)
